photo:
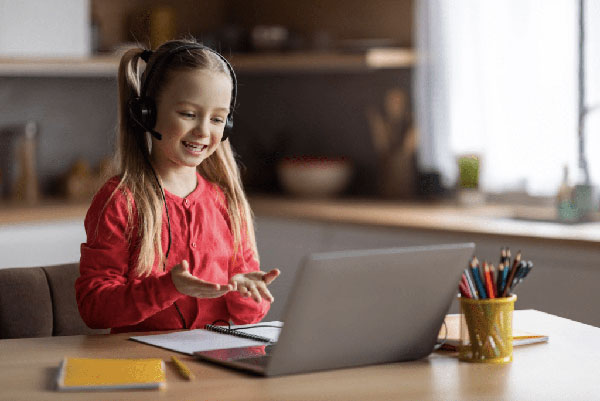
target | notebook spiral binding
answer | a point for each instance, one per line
(226, 330)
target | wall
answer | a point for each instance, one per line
(77, 119)
(310, 114)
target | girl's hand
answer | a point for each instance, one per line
(193, 286)
(254, 284)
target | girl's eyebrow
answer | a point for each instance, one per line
(184, 102)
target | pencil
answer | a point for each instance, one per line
(182, 369)
(500, 283)
(488, 281)
(463, 282)
(470, 283)
(464, 291)
(477, 278)
(494, 279)
(511, 274)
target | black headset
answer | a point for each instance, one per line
(143, 108)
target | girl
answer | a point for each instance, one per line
(178, 189)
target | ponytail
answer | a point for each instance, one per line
(133, 153)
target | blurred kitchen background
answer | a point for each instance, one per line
(389, 94)
(438, 111)
(310, 74)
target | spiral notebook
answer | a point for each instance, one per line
(190, 341)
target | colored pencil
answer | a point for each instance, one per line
(477, 278)
(501, 278)
(464, 291)
(489, 286)
(494, 278)
(470, 283)
(511, 274)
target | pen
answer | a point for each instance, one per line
(182, 369)
(520, 275)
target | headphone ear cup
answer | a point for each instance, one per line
(147, 110)
(228, 128)
(143, 111)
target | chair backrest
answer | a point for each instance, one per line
(40, 302)
(25, 303)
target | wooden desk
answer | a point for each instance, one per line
(565, 368)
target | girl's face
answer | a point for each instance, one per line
(191, 114)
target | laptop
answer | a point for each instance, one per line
(359, 307)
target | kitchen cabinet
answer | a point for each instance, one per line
(41, 244)
(564, 280)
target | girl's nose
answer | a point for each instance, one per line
(202, 128)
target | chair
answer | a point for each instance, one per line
(40, 302)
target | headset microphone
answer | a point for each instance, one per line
(156, 134)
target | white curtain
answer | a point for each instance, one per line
(498, 78)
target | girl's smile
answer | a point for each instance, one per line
(194, 148)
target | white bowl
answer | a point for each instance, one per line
(314, 177)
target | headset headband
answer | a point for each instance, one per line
(165, 58)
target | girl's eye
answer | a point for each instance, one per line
(186, 114)
(219, 120)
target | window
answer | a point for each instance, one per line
(499, 78)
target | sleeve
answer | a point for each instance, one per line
(245, 310)
(106, 295)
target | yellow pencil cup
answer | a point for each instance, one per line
(486, 329)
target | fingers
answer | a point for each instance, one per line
(188, 284)
(204, 289)
(270, 276)
(256, 290)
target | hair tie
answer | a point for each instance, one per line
(146, 55)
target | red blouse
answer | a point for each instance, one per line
(110, 295)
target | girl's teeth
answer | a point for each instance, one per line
(195, 147)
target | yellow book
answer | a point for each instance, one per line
(77, 374)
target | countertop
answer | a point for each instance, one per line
(487, 219)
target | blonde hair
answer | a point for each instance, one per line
(133, 155)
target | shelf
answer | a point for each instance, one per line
(377, 58)
(98, 66)
(106, 66)
(46, 211)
